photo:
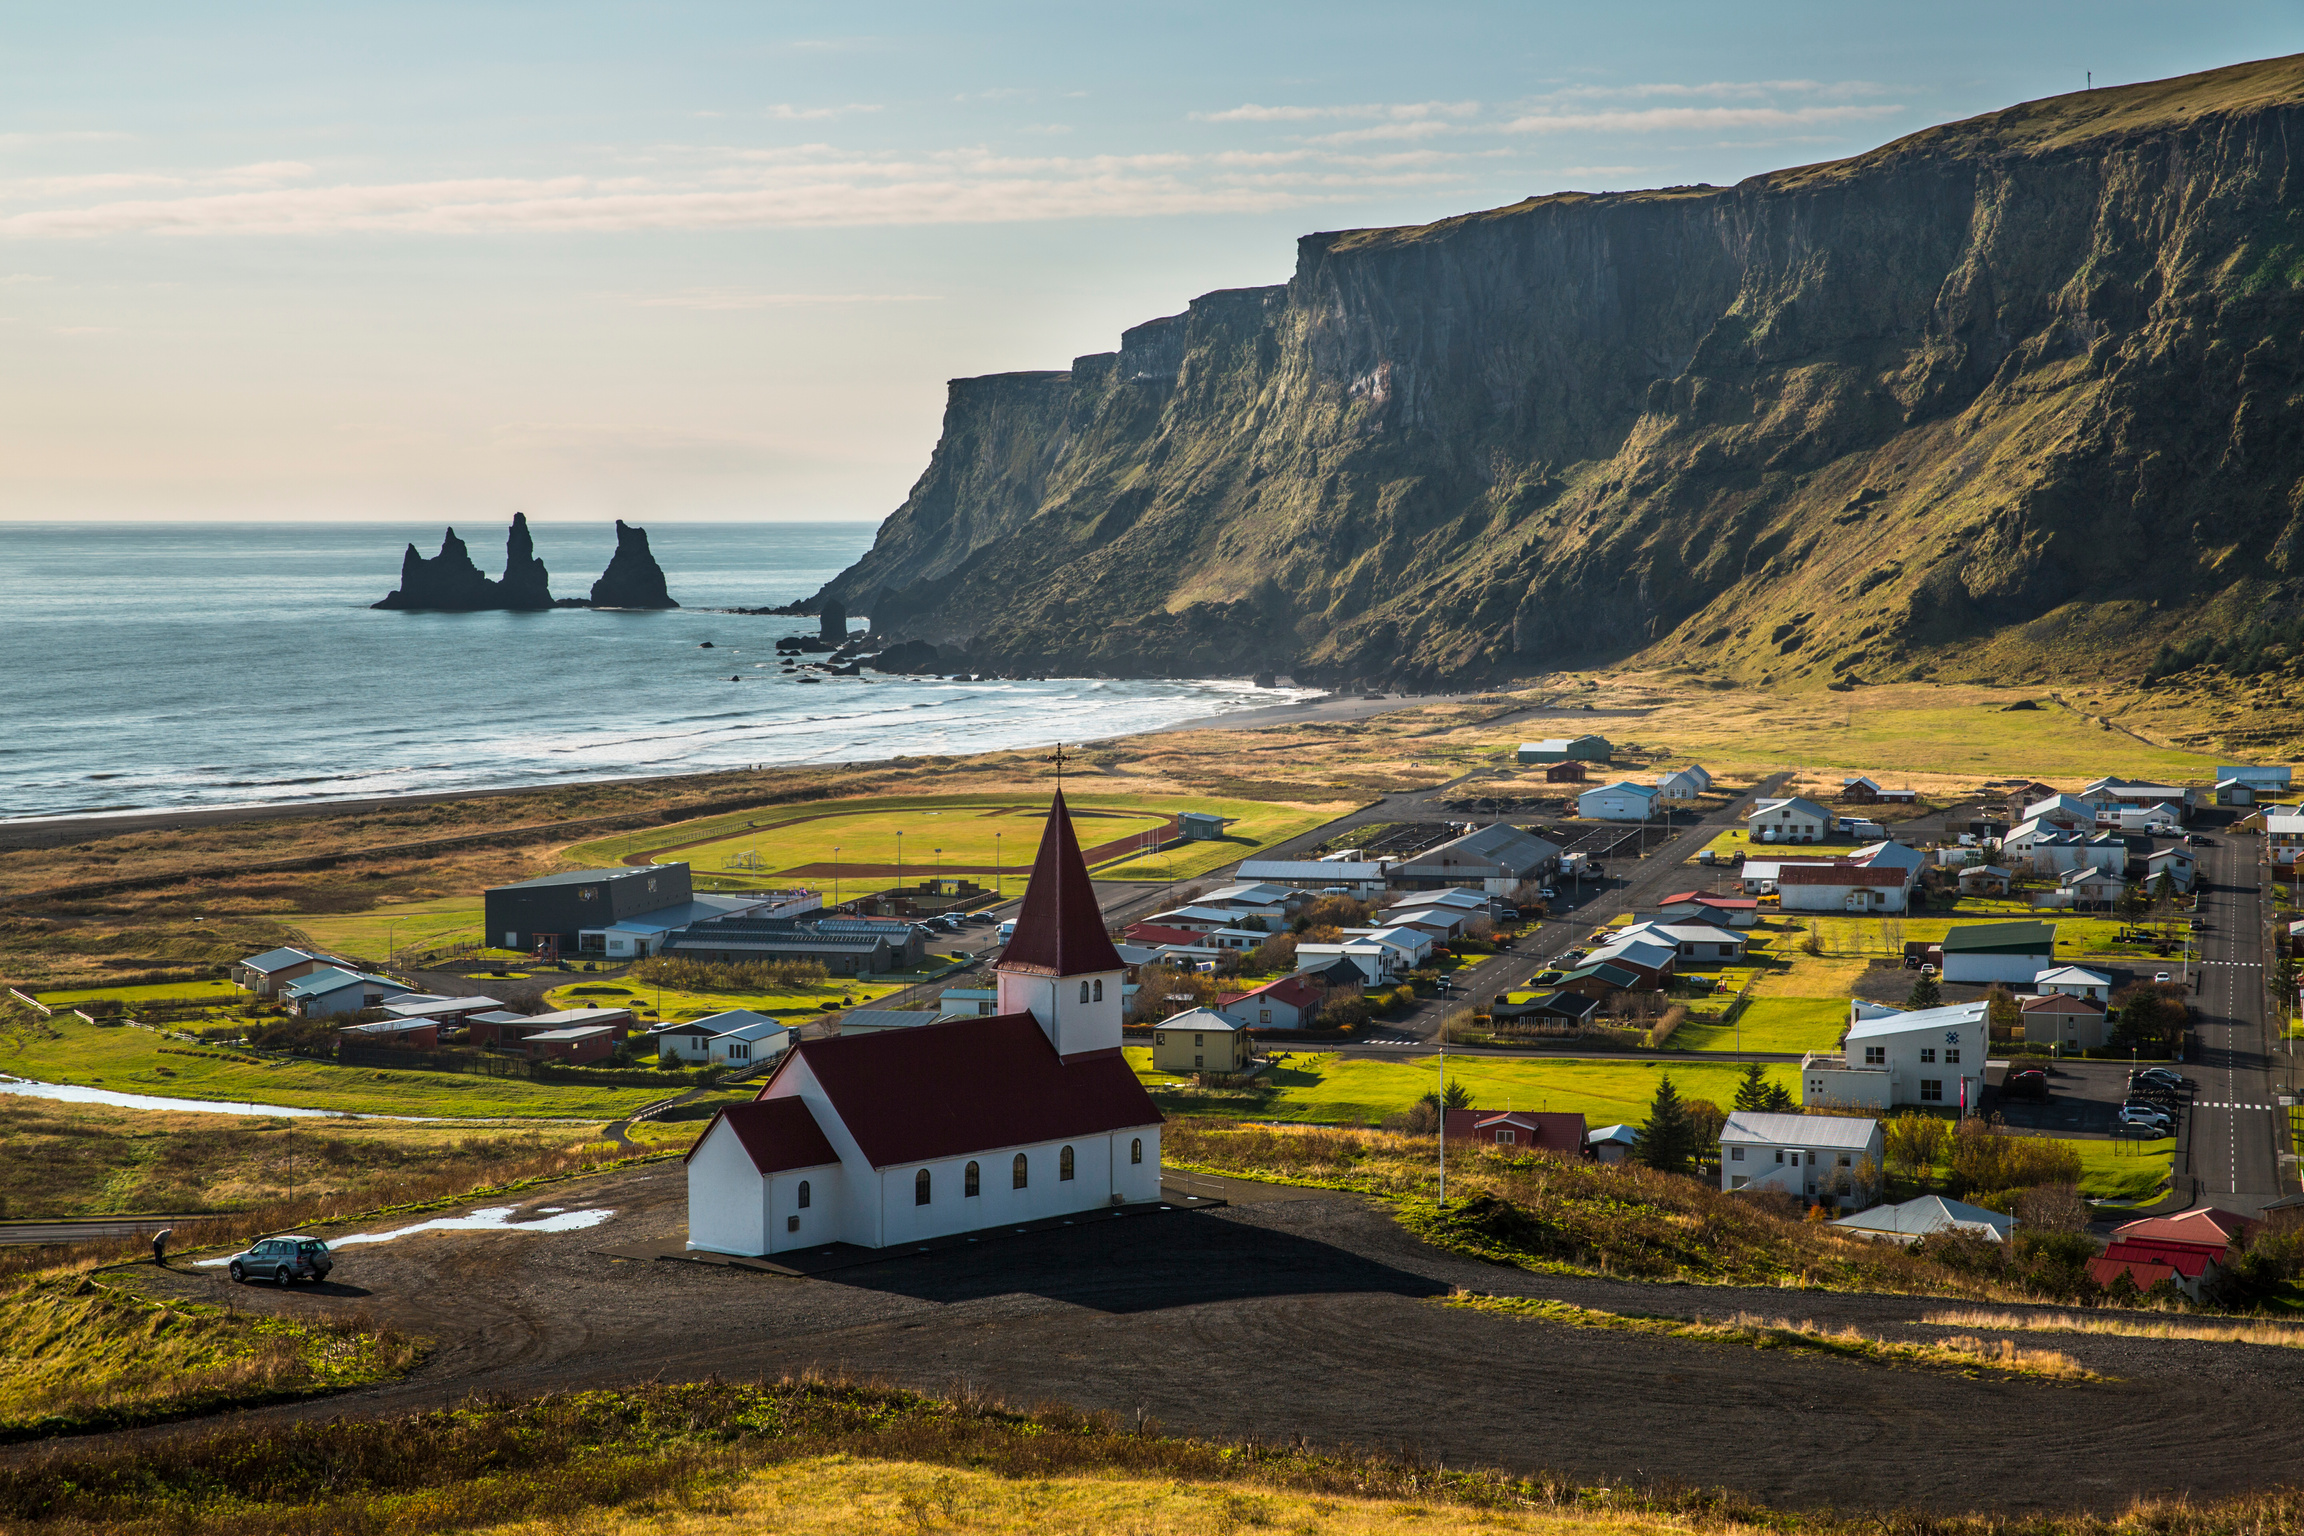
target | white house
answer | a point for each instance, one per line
(1695, 940)
(1379, 964)
(1791, 820)
(1454, 898)
(1816, 1157)
(2011, 952)
(2176, 863)
(1358, 877)
(1984, 880)
(1683, 785)
(2156, 818)
(2087, 887)
(1620, 801)
(899, 1137)
(1892, 855)
(693, 1039)
(1612, 1143)
(1933, 1057)
(2284, 838)
(747, 1039)
(1841, 888)
(1907, 1223)
(2066, 811)
(2072, 981)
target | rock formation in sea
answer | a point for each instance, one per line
(633, 578)
(448, 582)
(832, 623)
(526, 584)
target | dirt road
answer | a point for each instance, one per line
(1308, 1314)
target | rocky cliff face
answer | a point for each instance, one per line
(448, 582)
(2013, 394)
(526, 584)
(633, 578)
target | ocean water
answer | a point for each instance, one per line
(189, 664)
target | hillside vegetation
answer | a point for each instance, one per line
(2007, 398)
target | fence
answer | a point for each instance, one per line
(31, 1002)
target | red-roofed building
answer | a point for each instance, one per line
(950, 1127)
(1289, 1003)
(1840, 888)
(2190, 1265)
(1524, 1129)
(1155, 936)
(2211, 1226)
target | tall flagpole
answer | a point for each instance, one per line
(1443, 1114)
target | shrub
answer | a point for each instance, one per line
(751, 976)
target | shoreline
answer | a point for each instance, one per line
(50, 831)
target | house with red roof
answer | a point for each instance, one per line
(1293, 1002)
(2190, 1250)
(1556, 1131)
(957, 1126)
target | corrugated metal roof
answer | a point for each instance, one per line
(1950, 1016)
(1756, 1128)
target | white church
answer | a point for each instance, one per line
(916, 1133)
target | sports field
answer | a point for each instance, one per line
(848, 848)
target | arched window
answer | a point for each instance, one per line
(1136, 1150)
(920, 1187)
(803, 1194)
(1023, 1175)
(1064, 1164)
(970, 1183)
(1083, 991)
(1099, 989)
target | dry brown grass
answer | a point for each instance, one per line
(2126, 1326)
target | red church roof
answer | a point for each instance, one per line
(776, 1133)
(971, 1085)
(1296, 991)
(1060, 930)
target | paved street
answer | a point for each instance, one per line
(2233, 1135)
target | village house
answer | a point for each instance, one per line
(1816, 1157)
(2073, 981)
(1867, 791)
(744, 1039)
(1374, 965)
(1620, 801)
(266, 974)
(1469, 904)
(573, 1045)
(1201, 1040)
(2265, 781)
(1705, 907)
(1547, 1006)
(1984, 880)
(2235, 792)
(1274, 903)
(2067, 812)
(1498, 859)
(443, 1011)
(1352, 877)
(2061, 1018)
(1570, 772)
(2188, 1251)
(954, 1127)
(2177, 864)
(2082, 888)
(406, 1034)
(1651, 960)
(1524, 1130)
(2284, 840)
(2013, 952)
(1840, 888)
(1906, 1223)
(1612, 1143)
(1697, 941)
(1682, 785)
(1598, 980)
(1591, 749)
(327, 992)
(1292, 1002)
(1789, 820)
(1932, 1057)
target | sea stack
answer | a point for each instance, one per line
(448, 582)
(633, 578)
(832, 622)
(526, 584)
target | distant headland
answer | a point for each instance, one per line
(450, 583)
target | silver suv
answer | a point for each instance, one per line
(282, 1260)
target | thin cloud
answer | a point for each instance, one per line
(1397, 111)
(60, 136)
(1716, 89)
(732, 298)
(785, 112)
(1694, 119)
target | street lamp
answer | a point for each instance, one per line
(835, 874)
(899, 866)
(999, 880)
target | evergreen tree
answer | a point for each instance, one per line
(1665, 1140)
(1457, 1097)
(1925, 994)
(1752, 1091)
(1779, 1100)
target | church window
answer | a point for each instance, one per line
(1099, 989)
(971, 1183)
(791, 1223)
(1136, 1150)
(1083, 991)
(803, 1194)
(1023, 1173)
(920, 1187)
(1064, 1164)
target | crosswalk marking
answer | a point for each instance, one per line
(2213, 1104)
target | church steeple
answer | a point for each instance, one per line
(1060, 964)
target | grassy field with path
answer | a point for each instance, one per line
(675, 1003)
(132, 1060)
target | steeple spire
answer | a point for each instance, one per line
(1060, 930)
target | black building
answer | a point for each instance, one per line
(559, 906)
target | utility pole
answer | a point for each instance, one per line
(1442, 1117)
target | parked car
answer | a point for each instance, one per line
(2026, 1083)
(282, 1260)
(2158, 1125)
(2162, 1076)
(2138, 1109)
(2162, 976)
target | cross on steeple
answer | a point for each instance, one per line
(1059, 759)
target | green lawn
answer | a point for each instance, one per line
(2127, 1171)
(2076, 937)
(1770, 1024)
(851, 846)
(167, 991)
(673, 1003)
(1326, 1087)
(408, 925)
(131, 1060)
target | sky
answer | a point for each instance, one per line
(717, 261)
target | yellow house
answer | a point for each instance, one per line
(1200, 1041)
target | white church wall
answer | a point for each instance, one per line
(1100, 1168)
(727, 1198)
(793, 1225)
(1078, 1026)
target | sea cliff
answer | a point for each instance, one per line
(2005, 396)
